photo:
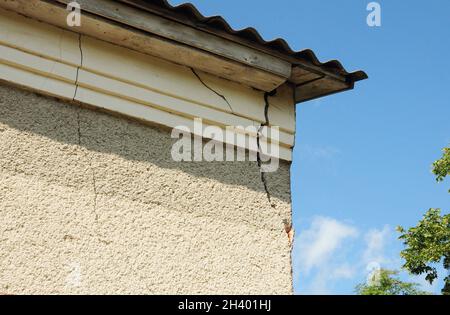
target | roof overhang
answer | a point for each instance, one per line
(182, 35)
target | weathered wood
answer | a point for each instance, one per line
(123, 35)
(184, 34)
(300, 76)
(319, 88)
(299, 65)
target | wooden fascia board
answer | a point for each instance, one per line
(263, 49)
(54, 13)
(320, 87)
(118, 31)
(187, 35)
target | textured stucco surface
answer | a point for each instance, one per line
(91, 203)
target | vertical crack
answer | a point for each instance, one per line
(94, 185)
(80, 136)
(263, 174)
(79, 127)
(94, 182)
(212, 90)
(258, 139)
(266, 102)
(78, 68)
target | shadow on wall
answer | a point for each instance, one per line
(100, 132)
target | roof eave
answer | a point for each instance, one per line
(154, 27)
(188, 14)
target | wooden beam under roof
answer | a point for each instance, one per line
(133, 26)
(121, 33)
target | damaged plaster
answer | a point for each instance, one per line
(164, 227)
(265, 124)
(258, 139)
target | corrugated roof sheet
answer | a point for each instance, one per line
(189, 14)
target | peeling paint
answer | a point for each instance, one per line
(288, 228)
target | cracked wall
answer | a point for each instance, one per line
(259, 135)
(212, 90)
(92, 203)
(79, 67)
(258, 140)
(83, 69)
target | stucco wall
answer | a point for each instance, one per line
(91, 203)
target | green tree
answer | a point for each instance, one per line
(386, 282)
(441, 168)
(428, 243)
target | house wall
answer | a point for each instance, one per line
(92, 203)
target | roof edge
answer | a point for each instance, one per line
(189, 15)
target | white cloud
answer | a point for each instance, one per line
(376, 241)
(327, 275)
(316, 254)
(328, 256)
(316, 245)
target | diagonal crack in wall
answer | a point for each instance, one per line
(259, 134)
(211, 89)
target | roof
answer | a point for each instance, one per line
(181, 34)
(187, 13)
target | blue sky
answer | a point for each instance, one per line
(362, 158)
